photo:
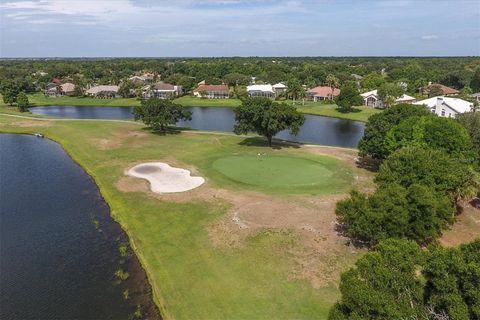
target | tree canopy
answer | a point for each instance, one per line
(159, 114)
(22, 102)
(349, 97)
(373, 141)
(400, 281)
(266, 117)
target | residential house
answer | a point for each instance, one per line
(446, 91)
(161, 90)
(279, 88)
(67, 89)
(372, 99)
(51, 90)
(261, 90)
(145, 78)
(212, 91)
(323, 93)
(103, 91)
(446, 106)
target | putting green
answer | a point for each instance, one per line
(320, 174)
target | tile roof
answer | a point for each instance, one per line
(211, 87)
(324, 91)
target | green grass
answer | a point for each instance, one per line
(39, 99)
(361, 113)
(191, 278)
(286, 174)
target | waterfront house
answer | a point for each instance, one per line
(261, 90)
(279, 88)
(103, 92)
(323, 93)
(67, 89)
(161, 90)
(51, 90)
(372, 99)
(145, 78)
(212, 91)
(446, 91)
(446, 106)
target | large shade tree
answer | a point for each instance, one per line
(267, 118)
(349, 97)
(159, 114)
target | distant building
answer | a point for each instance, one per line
(446, 106)
(212, 91)
(261, 90)
(446, 91)
(476, 96)
(67, 89)
(145, 78)
(372, 99)
(103, 92)
(279, 88)
(323, 93)
(356, 77)
(51, 90)
(161, 90)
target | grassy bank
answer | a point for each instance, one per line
(195, 273)
(328, 110)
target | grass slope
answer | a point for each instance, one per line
(191, 278)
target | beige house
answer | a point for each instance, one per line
(103, 92)
(212, 91)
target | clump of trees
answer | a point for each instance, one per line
(348, 97)
(159, 114)
(267, 118)
(400, 281)
(22, 102)
(373, 142)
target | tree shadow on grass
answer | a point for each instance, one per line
(368, 163)
(351, 110)
(262, 142)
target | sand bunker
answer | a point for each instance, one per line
(165, 179)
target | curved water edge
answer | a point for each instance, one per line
(316, 129)
(59, 260)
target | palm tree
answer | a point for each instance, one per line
(332, 82)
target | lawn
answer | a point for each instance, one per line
(286, 174)
(361, 113)
(191, 277)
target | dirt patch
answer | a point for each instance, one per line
(130, 184)
(465, 229)
(120, 137)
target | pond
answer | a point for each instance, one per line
(316, 129)
(60, 249)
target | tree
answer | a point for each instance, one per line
(267, 118)
(332, 82)
(125, 89)
(10, 91)
(378, 125)
(475, 82)
(383, 285)
(417, 213)
(373, 81)
(434, 91)
(431, 132)
(429, 167)
(295, 89)
(22, 102)
(159, 114)
(401, 281)
(471, 122)
(388, 92)
(349, 97)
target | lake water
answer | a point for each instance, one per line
(59, 247)
(317, 129)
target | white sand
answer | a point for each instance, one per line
(164, 178)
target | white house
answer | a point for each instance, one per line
(446, 106)
(261, 90)
(372, 99)
(161, 90)
(103, 91)
(279, 88)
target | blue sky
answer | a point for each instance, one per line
(139, 28)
